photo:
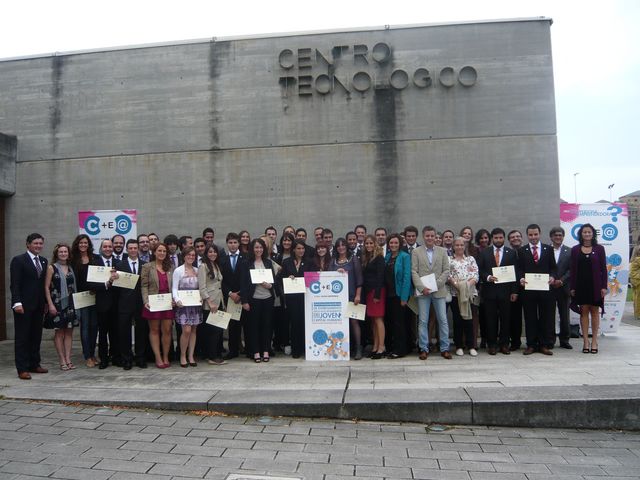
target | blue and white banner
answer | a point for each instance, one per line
(326, 326)
(103, 224)
(611, 221)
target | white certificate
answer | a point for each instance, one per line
(293, 285)
(413, 305)
(504, 274)
(160, 302)
(126, 280)
(219, 319)
(356, 311)
(83, 299)
(234, 309)
(259, 275)
(98, 274)
(429, 281)
(536, 281)
(189, 298)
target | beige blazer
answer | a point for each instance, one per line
(210, 287)
(149, 281)
(440, 268)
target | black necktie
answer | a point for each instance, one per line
(133, 264)
(108, 263)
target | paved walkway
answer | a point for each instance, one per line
(73, 442)
(486, 390)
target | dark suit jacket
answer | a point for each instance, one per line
(106, 298)
(564, 268)
(231, 280)
(546, 261)
(487, 261)
(26, 287)
(247, 288)
(130, 301)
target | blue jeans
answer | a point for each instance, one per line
(440, 306)
(88, 317)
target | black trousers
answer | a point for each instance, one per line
(538, 319)
(107, 335)
(141, 336)
(295, 314)
(259, 330)
(28, 335)
(395, 317)
(209, 338)
(561, 301)
(281, 325)
(411, 327)
(235, 330)
(462, 329)
(515, 322)
(498, 314)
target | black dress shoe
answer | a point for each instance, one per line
(566, 345)
(127, 366)
(230, 356)
(103, 365)
(141, 364)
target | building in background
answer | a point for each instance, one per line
(448, 124)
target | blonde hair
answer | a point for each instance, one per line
(377, 250)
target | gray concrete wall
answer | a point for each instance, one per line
(8, 152)
(206, 134)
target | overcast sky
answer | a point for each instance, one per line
(596, 55)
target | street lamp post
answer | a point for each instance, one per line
(575, 186)
(610, 187)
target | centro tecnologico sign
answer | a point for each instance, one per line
(349, 68)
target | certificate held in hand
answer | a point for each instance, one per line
(84, 299)
(234, 309)
(160, 302)
(219, 319)
(98, 274)
(293, 285)
(259, 275)
(126, 280)
(536, 281)
(189, 298)
(358, 312)
(429, 281)
(504, 274)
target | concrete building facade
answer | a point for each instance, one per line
(448, 125)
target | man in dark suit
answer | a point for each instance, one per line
(560, 287)
(27, 272)
(539, 323)
(130, 311)
(309, 251)
(515, 242)
(497, 297)
(107, 308)
(231, 269)
(118, 247)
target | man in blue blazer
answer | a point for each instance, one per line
(27, 273)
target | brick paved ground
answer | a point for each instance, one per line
(75, 442)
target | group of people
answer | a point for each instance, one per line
(388, 273)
